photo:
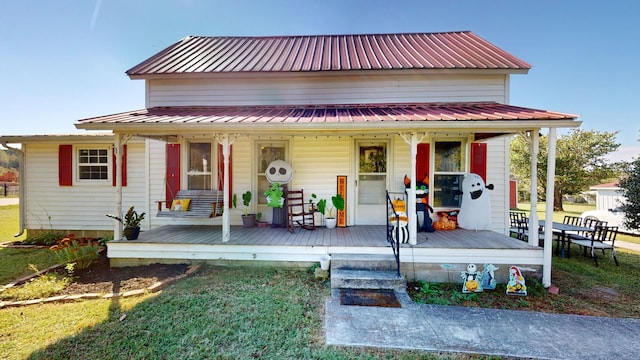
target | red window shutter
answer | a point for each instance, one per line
(422, 162)
(221, 170)
(65, 165)
(173, 172)
(479, 159)
(124, 167)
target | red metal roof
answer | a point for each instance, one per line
(449, 50)
(343, 114)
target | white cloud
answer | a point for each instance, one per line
(624, 153)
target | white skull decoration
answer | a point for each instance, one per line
(279, 171)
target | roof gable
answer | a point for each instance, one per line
(450, 50)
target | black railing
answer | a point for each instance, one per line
(394, 216)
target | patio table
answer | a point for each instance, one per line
(564, 229)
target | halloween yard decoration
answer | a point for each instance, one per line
(489, 276)
(472, 279)
(278, 173)
(475, 210)
(516, 284)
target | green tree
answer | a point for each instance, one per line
(580, 161)
(630, 188)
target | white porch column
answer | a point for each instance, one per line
(226, 141)
(533, 213)
(551, 176)
(411, 206)
(117, 149)
(413, 140)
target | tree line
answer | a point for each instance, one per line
(9, 166)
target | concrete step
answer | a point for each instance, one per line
(367, 279)
(363, 262)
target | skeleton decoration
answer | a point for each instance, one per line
(279, 171)
(472, 279)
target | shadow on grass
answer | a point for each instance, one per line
(215, 313)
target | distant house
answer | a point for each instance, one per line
(432, 106)
(608, 195)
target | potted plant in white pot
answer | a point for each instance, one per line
(131, 223)
(337, 202)
(248, 220)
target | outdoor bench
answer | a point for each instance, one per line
(202, 204)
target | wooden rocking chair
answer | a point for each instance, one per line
(298, 212)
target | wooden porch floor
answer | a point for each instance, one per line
(353, 236)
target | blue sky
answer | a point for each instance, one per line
(65, 60)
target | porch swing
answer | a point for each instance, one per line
(188, 203)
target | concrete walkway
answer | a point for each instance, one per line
(508, 333)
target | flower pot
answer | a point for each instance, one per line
(249, 220)
(325, 260)
(132, 233)
(330, 223)
(262, 223)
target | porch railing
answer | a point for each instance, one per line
(394, 239)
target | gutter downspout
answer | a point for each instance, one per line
(21, 173)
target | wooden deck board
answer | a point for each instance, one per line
(354, 236)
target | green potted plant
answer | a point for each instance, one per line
(337, 202)
(259, 221)
(131, 223)
(248, 220)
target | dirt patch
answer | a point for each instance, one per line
(100, 277)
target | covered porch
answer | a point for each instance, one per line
(437, 256)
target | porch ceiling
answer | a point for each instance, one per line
(482, 117)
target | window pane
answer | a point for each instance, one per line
(446, 190)
(199, 174)
(92, 164)
(373, 159)
(449, 156)
(372, 189)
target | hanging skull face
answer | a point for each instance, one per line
(279, 171)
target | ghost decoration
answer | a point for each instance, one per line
(279, 171)
(475, 210)
(489, 277)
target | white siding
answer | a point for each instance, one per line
(328, 90)
(82, 206)
(608, 199)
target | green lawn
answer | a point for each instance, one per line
(216, 313)
(10, 224)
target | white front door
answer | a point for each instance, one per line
(371, 185)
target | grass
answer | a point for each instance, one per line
(230, 313)
(221, 313)
(15, 262)
(10, 224)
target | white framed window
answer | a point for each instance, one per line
(93, 164)
(449, 159)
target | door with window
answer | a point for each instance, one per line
(372, 182)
